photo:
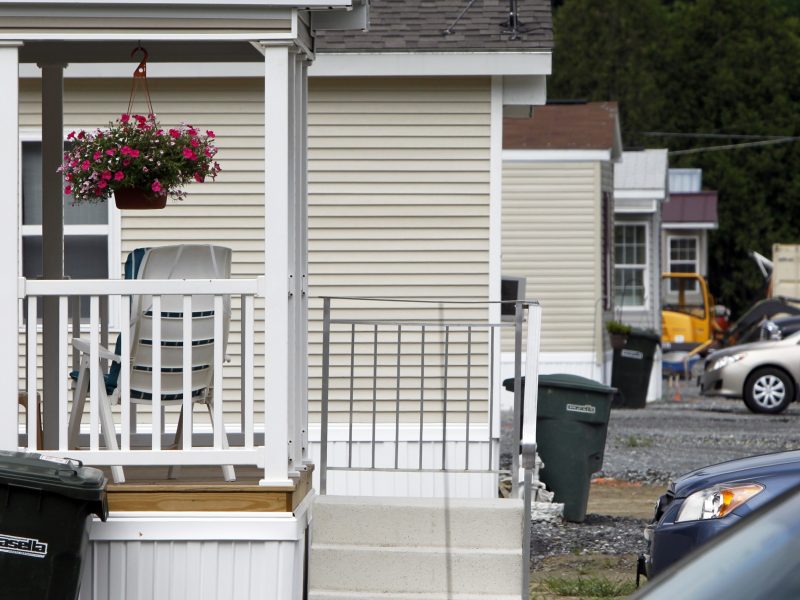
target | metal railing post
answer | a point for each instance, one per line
(516, 435)
(326, 347)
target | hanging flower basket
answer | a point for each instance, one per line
(137, 159)
(136, 153)
(139, 199)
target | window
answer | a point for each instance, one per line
(88, 242)
(683, 258)
(630, 264)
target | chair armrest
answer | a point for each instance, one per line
(82, 345)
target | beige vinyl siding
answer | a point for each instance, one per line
(551, 235)
(399, 207)
(227, 212)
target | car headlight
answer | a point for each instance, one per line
(716, 502)
(724, 361)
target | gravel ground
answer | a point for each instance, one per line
(658, 443)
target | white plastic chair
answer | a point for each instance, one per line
(168, 262)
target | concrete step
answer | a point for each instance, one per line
(413, 570)
(329, 595)
(489, 524)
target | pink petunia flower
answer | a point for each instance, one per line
(102, 184)
(70, 135)
(192, 131)
(119, 176)
(85, 165)
(125, 150)
(187, 153)
(210, 133)
(125, 118)
(156, 186)
(111, 151)
(107, 175)
(199, 178)
(81, 135)
(194, 142)
(68, 189)
(175, 133)
(126, 162)
(134, 153)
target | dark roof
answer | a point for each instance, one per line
(694, 207)
(418, 25)
(586, 126)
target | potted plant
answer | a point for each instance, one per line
(618, 333)
(138, 161)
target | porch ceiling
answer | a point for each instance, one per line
(105, 51)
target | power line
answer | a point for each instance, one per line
(770, 142)
(731, 136)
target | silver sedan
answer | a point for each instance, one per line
(765, 374)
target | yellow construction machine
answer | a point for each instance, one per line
(688, 320)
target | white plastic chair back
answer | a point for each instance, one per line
(178, 262)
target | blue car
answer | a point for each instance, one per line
(701, 504)
(758, 558)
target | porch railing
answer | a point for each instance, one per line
(144, 446)
(411, 372)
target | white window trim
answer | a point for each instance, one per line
(646, 275)
(670, 239)
(112, 229)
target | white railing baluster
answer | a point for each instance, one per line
(63, 369)
(95, 376)
(219, 360)
(101, 450)
(31, 372)
(188, 425)
(248, 333)
(125, 372)
(156, 373)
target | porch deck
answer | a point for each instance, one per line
(202, 489)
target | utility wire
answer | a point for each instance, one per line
(770, 142)
(730, 136)
(451, 29)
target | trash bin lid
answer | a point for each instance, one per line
(646, 334)
(574, 382)
(63, 476)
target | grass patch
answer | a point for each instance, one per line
(636, 441)
(589, 586)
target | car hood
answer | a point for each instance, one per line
(754, 468)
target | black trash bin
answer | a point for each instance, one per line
(571, 427)
(46, 505)
(631, 368)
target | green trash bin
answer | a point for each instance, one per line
(631, 368)
(571, 427)
(46, 505)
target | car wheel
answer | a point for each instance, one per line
(768, 391)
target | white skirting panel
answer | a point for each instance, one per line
(196, 556)
(407, 484)
(573, 363)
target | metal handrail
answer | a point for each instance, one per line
(517, 438)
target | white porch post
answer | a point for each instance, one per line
(52, 240)
(284, 260)
(9, 241)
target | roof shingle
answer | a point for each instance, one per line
(419, 26)
(587, 126)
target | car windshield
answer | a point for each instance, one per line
(757, 559)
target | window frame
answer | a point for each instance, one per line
(112, 230)
(696, 261)
(645, 267)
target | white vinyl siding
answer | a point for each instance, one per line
(552, 236)
(399, 207)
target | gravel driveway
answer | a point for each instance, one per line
(657, 443)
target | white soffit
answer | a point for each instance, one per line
(520, 90)
(556, 155)
(387, 64)
(634, 205)
(698, 225)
